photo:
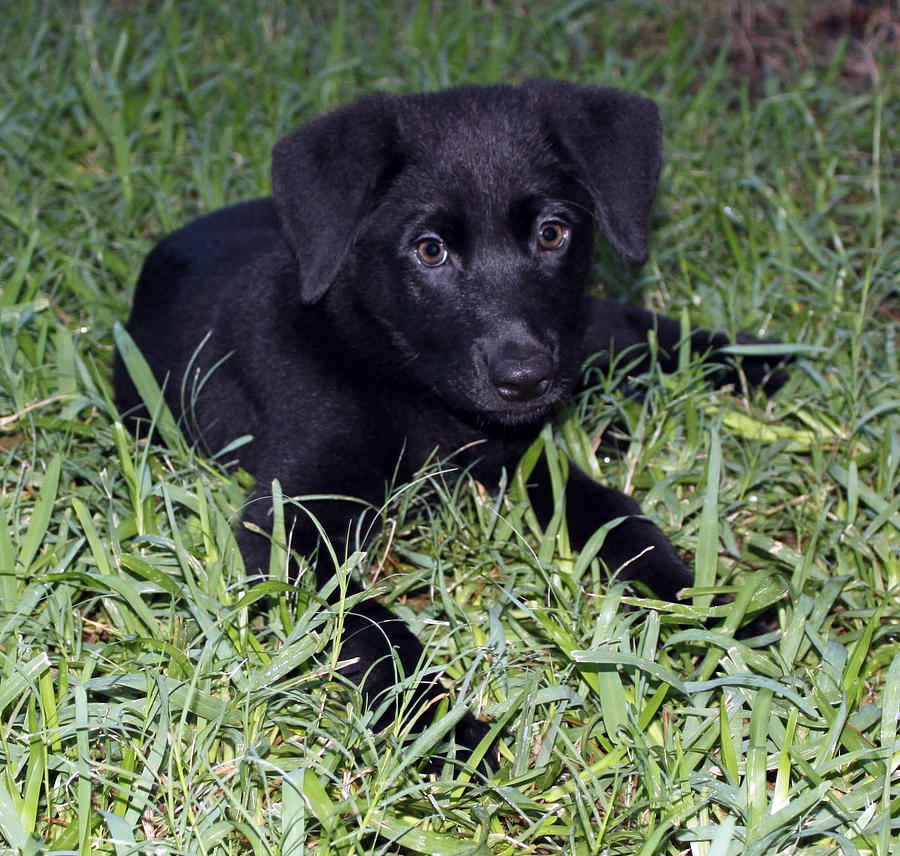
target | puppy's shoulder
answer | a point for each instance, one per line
(225, 238)
(216, 260)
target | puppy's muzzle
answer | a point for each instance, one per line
(519, 376)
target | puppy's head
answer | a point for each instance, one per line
(456, 229)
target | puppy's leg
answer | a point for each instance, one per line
(383, 652)
(636, 547)
(617, 327)
(380, 648)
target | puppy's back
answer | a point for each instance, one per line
(181, 286)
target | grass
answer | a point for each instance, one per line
(152, 702)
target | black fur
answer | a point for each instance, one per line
(308, 320)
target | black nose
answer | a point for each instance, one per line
(521, 378)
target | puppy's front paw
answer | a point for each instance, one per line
(765, 370)
(469, 733)
(638, 550)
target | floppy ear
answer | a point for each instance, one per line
(614, 141)
(325, 177)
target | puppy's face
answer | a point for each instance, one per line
(459, 226)
(475, 260)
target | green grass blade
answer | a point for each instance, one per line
(147, 387)
(41, 513)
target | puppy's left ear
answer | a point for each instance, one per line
(614, 141)
(325, 177)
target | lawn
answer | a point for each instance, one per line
(153, 701)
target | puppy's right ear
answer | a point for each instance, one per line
(325, 177)
(614, 141)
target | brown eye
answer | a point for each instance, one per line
(431, 252)
(552, 236)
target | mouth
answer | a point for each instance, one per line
(514, 417)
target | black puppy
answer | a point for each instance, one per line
(415, 283)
